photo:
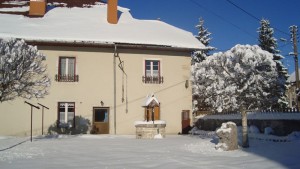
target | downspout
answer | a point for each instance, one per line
(115, 89)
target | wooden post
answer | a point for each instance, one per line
(31, 105)
(152, 115)
(43, 116)
(294, 30)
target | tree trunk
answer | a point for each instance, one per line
(245, 142)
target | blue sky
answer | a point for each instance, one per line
(228, 24)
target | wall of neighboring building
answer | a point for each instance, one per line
(95, 69)
(291, 94)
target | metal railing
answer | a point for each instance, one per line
(66, 78)
(153, 79)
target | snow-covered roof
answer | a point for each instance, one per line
(80, 25)
(151, 101)
(292, 77)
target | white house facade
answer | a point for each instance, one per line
(102, 72)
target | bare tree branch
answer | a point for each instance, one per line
(22, 72)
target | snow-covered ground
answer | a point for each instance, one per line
(110, 151)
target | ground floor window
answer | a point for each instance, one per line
(66, 114)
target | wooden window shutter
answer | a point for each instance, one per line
(156, 113)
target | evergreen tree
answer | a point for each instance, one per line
(197, 57)
(204, 37)
(269, 43)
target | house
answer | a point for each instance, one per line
(291, 92)
(103, 64)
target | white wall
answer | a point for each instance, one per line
(95, 70)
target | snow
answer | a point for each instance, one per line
(268, 131)
(158, 136)
(114, 151)
(149, 99)
(294, 136)
(15, 2)
(253, 115)
(224, 128)
(253, 129)
(16, 9)
(18, 61)
(231, 79)
(89, 25)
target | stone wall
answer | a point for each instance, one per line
(149, 131)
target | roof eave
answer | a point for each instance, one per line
(110, 45)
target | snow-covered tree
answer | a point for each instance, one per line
(241, 76)
(204, 37)
(239, 79)
(269, 43)
(22, 72)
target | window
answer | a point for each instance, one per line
(101, 115)
(152, 72)
(67, 70)
(66, 114)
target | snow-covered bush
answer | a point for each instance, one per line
(240, 77)
(22, 72)
(295, 135)
(253, 129)
(268, 131)
(82, 126)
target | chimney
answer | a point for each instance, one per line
(112, 11)
(37, 7)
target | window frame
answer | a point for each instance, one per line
(65, 124)
(60, 77)
(158, 79)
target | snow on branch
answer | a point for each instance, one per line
(242, 76)
(22, 72)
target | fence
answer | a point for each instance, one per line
(254, 136)
(284, 114)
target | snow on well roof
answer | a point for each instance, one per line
(150, 99)
(89, 25)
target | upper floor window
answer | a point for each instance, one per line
(152, 72)
(67, 70)
(66, 114)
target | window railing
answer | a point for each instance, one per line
(153, 79)
(66, 78)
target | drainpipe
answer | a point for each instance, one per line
(115, 90)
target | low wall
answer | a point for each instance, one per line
(149, 131)
(280, 127)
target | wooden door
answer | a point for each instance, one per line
(101, 120)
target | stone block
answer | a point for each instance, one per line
(228, 139)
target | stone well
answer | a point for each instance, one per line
(150, 129)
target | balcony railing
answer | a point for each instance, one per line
(66, 78)
(153, 79)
